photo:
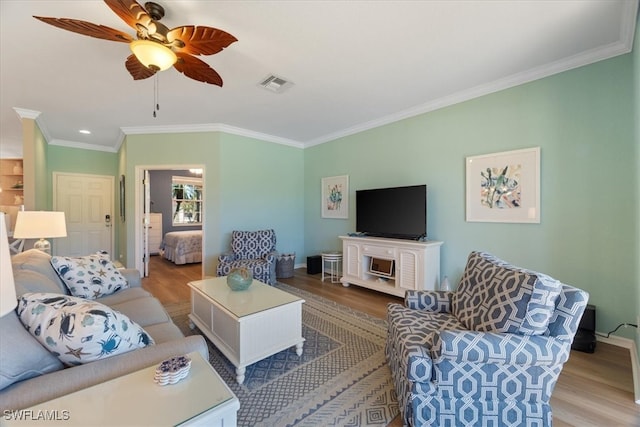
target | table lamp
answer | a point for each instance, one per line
(8, 299)
(40, 225)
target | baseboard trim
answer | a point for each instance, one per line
(635, 368)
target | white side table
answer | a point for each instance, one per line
(200, 399)
(331, 266)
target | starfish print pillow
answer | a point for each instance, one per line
(90, 277)
(78, 331)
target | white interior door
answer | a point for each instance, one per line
(87, 201)
(146, 184)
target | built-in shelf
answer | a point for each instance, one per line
(11, 182)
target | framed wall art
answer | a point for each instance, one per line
(504, 187)
(335, 197)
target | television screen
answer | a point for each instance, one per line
(398, 212)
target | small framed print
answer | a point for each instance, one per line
(335, 197)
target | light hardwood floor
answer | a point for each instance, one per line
(593, 389)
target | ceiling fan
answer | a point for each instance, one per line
(156, 47)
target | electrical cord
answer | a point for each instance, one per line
(616, 329)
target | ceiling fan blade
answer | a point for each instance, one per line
(196, 69)
(132, 13)
(199, 40)
(88, 29)
(137, 70)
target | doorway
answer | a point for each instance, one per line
(87, 202)
(154, 209)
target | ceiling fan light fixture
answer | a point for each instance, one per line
(153, 55)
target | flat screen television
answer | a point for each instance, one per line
(398, 212)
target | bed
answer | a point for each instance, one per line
(183, 247)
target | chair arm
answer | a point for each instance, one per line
(271, 257)
(227, 257)
(436, 301)
(500, 348)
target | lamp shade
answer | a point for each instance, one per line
(153, 54)
(40, 224)
(8, 299)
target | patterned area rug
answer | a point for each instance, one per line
(341, 379)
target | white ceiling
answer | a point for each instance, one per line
(354, 64)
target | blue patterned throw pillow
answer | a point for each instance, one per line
(79, 331)
(495, 296)
(90, 277)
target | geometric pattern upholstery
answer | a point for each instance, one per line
(494, 296)
(448, 374)
(255, 250)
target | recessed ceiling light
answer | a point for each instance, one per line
(85, 131)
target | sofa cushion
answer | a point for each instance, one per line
(90, 276)
(124, 295)
(32, 281)
(78, 331)
(495, 296)
(143, 311)
(45, 279)
(164, 332)
(21, 356)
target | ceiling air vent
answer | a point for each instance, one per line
(275, 84)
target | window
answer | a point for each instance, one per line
(186, 194)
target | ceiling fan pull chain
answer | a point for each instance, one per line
(156, 102)
(154, 95)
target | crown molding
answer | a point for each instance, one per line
(622, 46)
(82, 145)
(24, 113)
(211, 127)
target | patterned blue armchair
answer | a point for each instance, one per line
(255, 250)
(488, 354)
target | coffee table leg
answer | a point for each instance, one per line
(240, 374)
(299, 348)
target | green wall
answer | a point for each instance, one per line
(636, 114)
(249, 184)
(583, 122)
(262, 186)
(73, 160)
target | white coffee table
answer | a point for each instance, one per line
(246, 326)
(200, 399)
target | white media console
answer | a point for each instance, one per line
(392, 266)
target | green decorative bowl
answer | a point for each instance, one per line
(239, 279)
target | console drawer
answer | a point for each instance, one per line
(381, 251)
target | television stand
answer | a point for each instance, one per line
(416, 264)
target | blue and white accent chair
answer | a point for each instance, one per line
(255, 250)
(488, 354)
